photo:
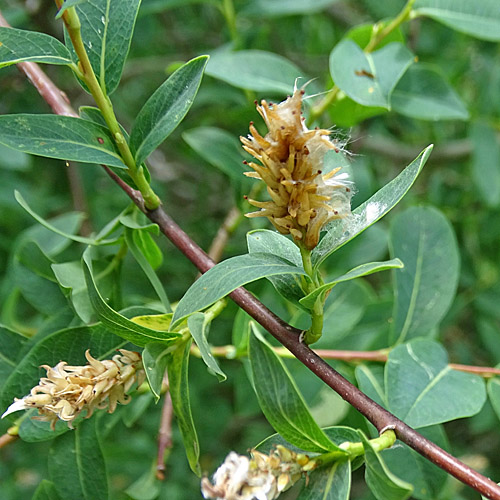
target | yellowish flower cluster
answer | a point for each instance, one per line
(262, 477)
(67, 391)
(303, 199)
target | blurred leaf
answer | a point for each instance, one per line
(479, 19)
(11, 344)
(62, 137)
(117, 323)
(345, 112)
(73, 223)
(342, 231)
(155, 361)
(178, 382)
(166, 108)
(370, 380)
(494, 393)
(107, 30)
(369, 78)
(363, 270)
(14, 160)
(76, 464)
(139, 404)
(362, 34)
(271, 242)
(424, 290)
(148, 248)
(425, 94)
(69, 345)
(219, 148)
(427, 479)
(70, 276)
(419, 380)
(22, 45)
(278, 8)
(381, 481)
(332, 482)
(46, 491)
(228, 275)
(147, 267)
(254, 70)
(198, 328)
(485, 162)
(281, 402)
(147, 487)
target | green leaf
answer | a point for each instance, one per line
(363, 270)
(424, 93)
(70, 276)
(62, 137)
(418, 381)
(342, 231)
(46, 490)
(22, 45)
(494, 394)
(219, 148)
(478, 19)
(69, 345)
(424, 290)
(254, 70)
(147, 268)
(148, 247)
(369, 78)
(225, 277)
(427, 479)
(177, 368)
(281, 402)
(485, 161)
(147, 487)
(107, 29)
(381, 481)
(271, 242)
(329, 483)
(154, 358)
(166, 108)
(278, 8)
(11, 344)
(61, 232)
(199, 330)
(117, 323)
(76, 464)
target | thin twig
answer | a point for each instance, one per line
(6, 439)
(219, 242)
(165, 432)
(288, 336)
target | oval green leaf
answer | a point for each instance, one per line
(22, 45)
(254, 70)
(424, 290)
(424, 93)
(342, 231)
(117, 323)
(369, 78)
(107, 29)
(363, 270)
(62, 137)
(480, 19)
(166, 108)
(226, 277)
(418, 380)
(281, 402)
(76, 464)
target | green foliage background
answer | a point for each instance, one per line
(192, 177)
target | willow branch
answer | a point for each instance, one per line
(287, 335)
(165, 432)
(6, 439)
